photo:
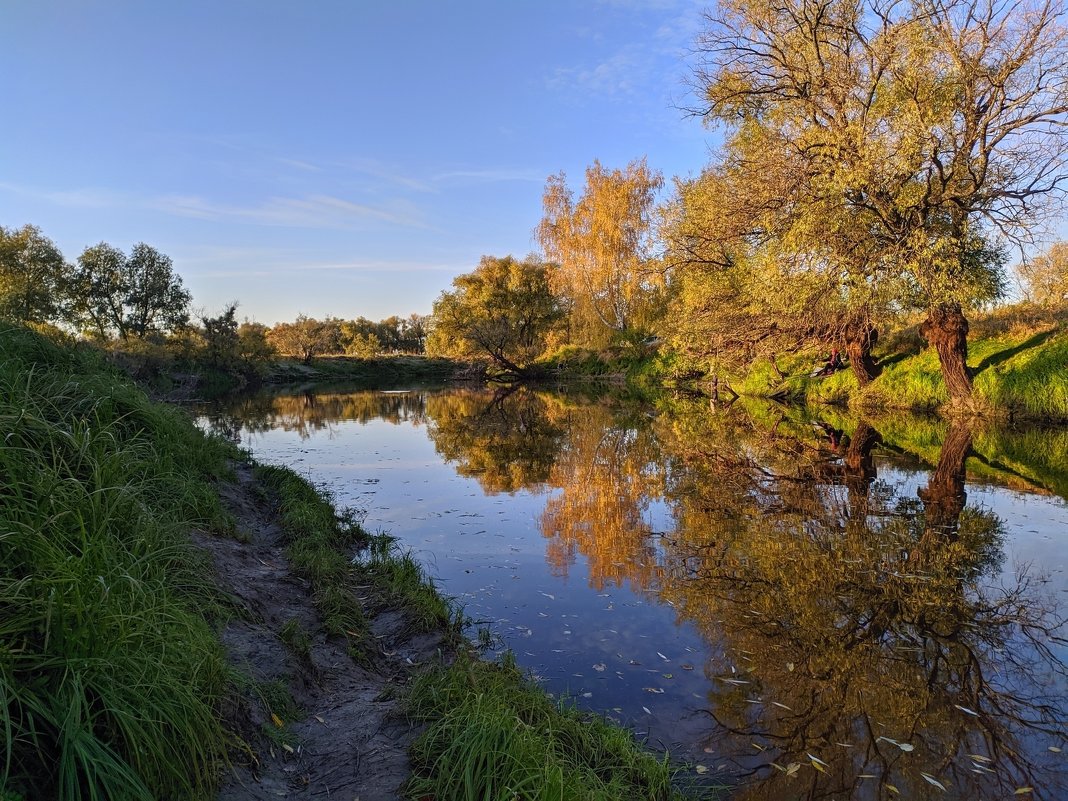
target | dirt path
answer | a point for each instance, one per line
(348, 740)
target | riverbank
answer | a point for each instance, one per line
(179, 622)
(1018, 360)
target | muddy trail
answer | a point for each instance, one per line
(315, 723)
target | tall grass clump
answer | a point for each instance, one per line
(110, 675)
(492, 736)
(320, 545)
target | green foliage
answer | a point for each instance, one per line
(110, 677)
(132, 296)
(34, 278)
(493, 736)
(503, 312)
(320, 541)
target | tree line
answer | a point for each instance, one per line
(110, 296)
(880, 162)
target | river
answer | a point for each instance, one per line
(803, 604)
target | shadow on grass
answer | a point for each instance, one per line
(1006, 354)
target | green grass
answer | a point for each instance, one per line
(1019, 360)
(110, 675)
(406, 584)
(492, 736)
(320, 543)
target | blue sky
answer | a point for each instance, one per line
(344, 158)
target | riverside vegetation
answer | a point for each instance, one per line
(113, 682)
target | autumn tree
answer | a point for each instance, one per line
(305, 337)
(34, 278)
(938, 126)
(501, 312)
(134, 295)
(749, 279)
(602, 246)
(1045, 276)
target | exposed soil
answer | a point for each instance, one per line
(350, 739)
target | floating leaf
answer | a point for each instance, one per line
(667, 675)
(686, 667)
(790, 666)
(1024, 790)
(701, 769)
(652, 689)
(818, 763)
(905, 746)
(550, 597)
(793, 768)
(600, 667)
(892, 789)
(287, 748)
(277, 720)
(966, 710)
(783, 706)
(1054, 749)
(647, 711)
(319, 719)
(662, 656)
(932, 780)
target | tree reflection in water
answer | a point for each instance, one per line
(863, 643)
(863, 636)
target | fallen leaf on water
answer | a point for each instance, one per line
(647, 712)
(1054, 749)
(934, 781)
(667, 675)
(905, 746)
(600, 667)
(784, 706)
(892, 789)
(662, 656)
(319, 719)
(966, 710)
(550, 597)
(652, 689)
(980, 758)
(793, 768)
(276, 720)
(818, 763)
(587, 695)
(790, 666)
(1024, 790)
(287, 748)
(701, 769)
(686, 667)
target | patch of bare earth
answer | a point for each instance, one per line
(350, 740)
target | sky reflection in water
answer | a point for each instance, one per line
(803, 605)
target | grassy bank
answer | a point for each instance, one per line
(492, 735)
(111, 675)
(1018, 357)
(380, 371)
(112, 679)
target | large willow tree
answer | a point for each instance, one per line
(921, 134)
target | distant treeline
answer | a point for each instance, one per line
(136, 304)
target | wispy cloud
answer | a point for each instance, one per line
(620, 73)
(632, 66)
(85, 198)
(313, 211)
(299, 267)
(493, 175)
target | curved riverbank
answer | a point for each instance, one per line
(176, 618)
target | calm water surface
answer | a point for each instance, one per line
(810, 608)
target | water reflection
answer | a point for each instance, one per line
(862, 647)
(864, 634)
